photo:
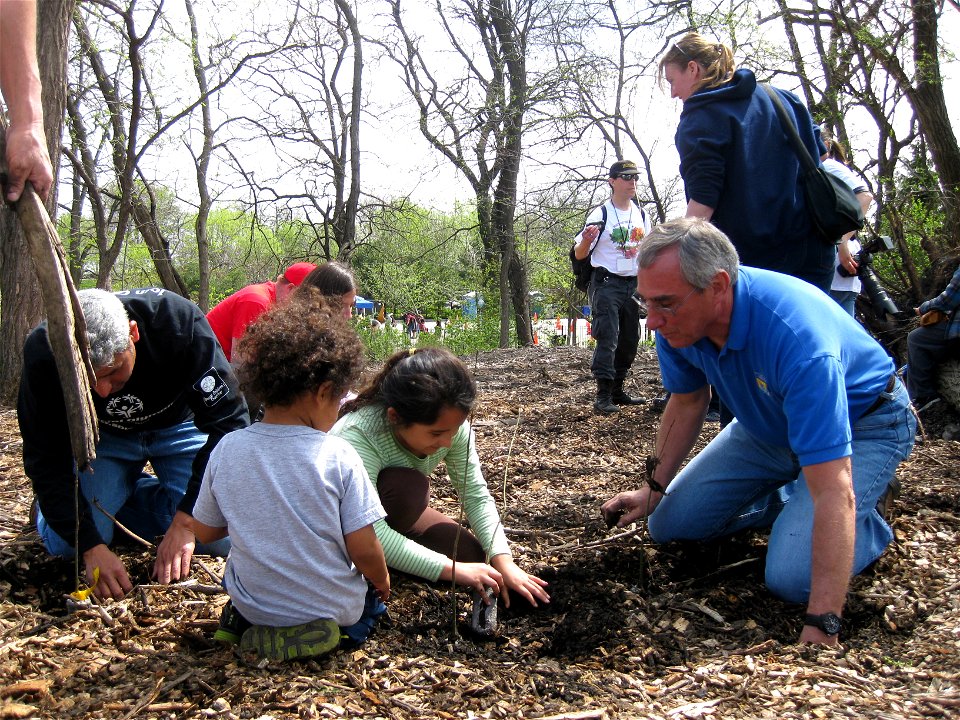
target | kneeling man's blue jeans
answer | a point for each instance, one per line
(739, 482)
(142, 502)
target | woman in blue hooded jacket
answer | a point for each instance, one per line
(739, 169)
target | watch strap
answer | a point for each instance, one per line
(828, 623)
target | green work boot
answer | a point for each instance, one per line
(312, 639)
(232, 625)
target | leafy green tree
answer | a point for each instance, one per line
(414, 259)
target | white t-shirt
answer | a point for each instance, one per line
(616, 248)
(839, 170)
(288, 494)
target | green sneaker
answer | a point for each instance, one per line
(232, 625)
(312, 639)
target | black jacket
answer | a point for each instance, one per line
(180, 373)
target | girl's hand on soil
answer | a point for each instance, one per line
(474, 575)
(113, 582)
(529, 586)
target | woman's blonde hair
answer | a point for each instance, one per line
(715, 59)
(835, 148)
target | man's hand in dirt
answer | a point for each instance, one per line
(626, 507)
(816, 636)
(114, 582)
(176, 550)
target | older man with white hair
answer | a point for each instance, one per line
(821, 419)
(164, 394)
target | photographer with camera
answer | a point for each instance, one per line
(936, 339)
(863, 260)
(846, 283)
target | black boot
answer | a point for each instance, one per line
(620, 396)
(604, 403)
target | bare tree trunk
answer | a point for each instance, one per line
(505, 195)
(21, 307)
(348, 224)
(203, 165)
(930, 105)
(159, 251)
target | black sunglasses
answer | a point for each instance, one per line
(628, 176)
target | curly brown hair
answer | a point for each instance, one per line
(295, 347)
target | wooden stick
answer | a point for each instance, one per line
(596, 543)
(128, 531)
(66, 328)
(600, 714)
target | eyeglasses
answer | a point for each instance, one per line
(660, 308)
(628, 176)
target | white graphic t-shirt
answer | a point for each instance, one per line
(616, 248)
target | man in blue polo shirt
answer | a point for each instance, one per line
(821, 420)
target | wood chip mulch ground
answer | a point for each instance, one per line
(634, 631)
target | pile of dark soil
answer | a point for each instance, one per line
(633, 630)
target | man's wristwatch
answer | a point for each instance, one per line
(828, 622)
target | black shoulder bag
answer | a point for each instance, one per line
(833, 207)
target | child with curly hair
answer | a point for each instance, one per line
(296, 501)
(408, 419)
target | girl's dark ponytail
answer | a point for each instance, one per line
(418, 384)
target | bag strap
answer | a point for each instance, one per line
(603, 219)
(798, 147)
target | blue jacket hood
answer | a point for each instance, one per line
(740, 87)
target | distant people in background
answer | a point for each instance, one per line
(409, 418)
(414, 324)
(335, 282)
(611, 236)
(27, 156)
(230, 318)
(845, 288)
(739, 169)
(296, 501)
(936, 339)
(165, 395)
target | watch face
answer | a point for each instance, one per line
(830, 624)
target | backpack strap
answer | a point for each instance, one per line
(603, 225)
(643, 215)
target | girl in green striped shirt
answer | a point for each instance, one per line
(408, 419)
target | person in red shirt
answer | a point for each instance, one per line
(230, 318)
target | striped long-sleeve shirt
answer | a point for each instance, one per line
(370, 435)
